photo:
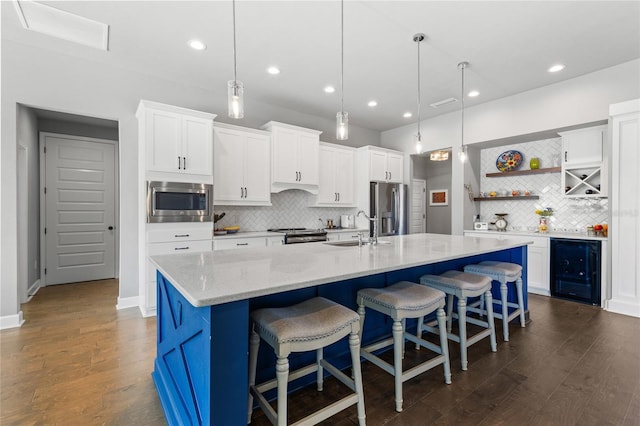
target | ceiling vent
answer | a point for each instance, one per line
(443, 102)
(58, 23)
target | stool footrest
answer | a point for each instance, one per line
(293, 375)
(328, 411)
(346, 380)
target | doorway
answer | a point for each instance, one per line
(77, 208)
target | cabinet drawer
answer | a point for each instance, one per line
(178, 234)
(235, 243)
(178, 247)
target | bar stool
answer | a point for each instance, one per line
(307, 326)
(462, 286)
(504, 273)
(401, 301)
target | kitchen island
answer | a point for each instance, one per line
(204, 300)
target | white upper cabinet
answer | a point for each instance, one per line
(583, 146)
(294, 157)
(337, 176)
(584, 162)
(177, 140)
(385, 165)
(241, 166)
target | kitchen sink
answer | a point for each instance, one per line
(351, 243)
(346, 243)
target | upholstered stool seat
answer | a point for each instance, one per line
(401, 301)
(307, 326)
(462, 286)
(504, 273)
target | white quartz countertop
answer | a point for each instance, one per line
(250, 234)
(551, 234)
(216, 277)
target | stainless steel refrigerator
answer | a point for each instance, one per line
(389, 204)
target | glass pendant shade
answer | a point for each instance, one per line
(342, 126)
(462, 155)
(418, 143)
(235, 99)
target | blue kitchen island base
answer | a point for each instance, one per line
(201, 368)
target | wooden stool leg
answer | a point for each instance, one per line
(254, 346)
(354, 347)
(320, 372)
(419, 330)
(449, 312)
(505, 310)
(361, 314)
(444, 344)
(282, 375)
(398, 340)
(462, 325)
(489, 299)
(520, 300)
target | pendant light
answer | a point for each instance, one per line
(342, 118)
(235, 88)
(418, 38)
(463, 149)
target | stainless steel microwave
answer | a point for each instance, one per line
(179, 202)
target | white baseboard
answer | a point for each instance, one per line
(538, 290)
(11, 321)
(127, 302)
(624, 308)
(31, 291)
(148, 312)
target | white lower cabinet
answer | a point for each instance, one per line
(537, 259)
(162, 240)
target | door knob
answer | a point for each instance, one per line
(110, 228)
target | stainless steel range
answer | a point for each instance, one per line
(301, 235)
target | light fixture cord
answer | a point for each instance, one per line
(462, 99)
(235, 68)
(342, 56)
(419, 136)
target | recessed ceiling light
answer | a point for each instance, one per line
(473, 93)
(372, 103)
(329, 89)
(197, 45)
(556, 68)
(407, 115)
(273, 70)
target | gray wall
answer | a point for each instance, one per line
(27, 137)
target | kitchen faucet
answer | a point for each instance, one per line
(374, 239)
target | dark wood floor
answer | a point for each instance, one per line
(79, 361)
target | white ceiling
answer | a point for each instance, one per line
(509, 45)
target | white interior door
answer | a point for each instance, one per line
(418, 206)
(79, 208)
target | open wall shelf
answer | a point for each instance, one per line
(526, 172)
(516, 197)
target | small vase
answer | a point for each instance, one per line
(534, 163)
(542, 225)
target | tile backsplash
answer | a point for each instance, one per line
(290, 209)
(570, 214)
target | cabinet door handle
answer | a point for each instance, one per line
(242, 244)
(180, 235)
(338, 196)
(184, 163)
(245, 192)
(182, 248)
(179, 164)
(565, 156)
(389, 175)
(241, 193)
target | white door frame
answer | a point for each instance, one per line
(423, 183)
(116, 201)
